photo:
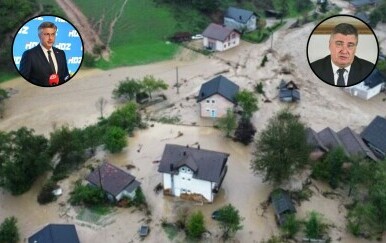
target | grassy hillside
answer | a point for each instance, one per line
(140, 33)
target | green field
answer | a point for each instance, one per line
(140, 33)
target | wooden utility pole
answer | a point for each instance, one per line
(177, 84)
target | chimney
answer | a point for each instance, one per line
(240, 17)
(198, 147)
(184, 153)
(187, 145)
(171, 167)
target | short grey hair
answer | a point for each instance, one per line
(46, 25)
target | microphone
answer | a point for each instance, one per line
(53, 80)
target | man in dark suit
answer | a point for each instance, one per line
(342, 68)
(45, 65)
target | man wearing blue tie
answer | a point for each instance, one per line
(342, 68)
(45, 65)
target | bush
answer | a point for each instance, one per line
(115, 139)
(245, 132)
(291, 226)
(265, 59)
(139, 198)
(195, 226)
(45, 195)
(9, 232)
(314, 226)
(87, 195)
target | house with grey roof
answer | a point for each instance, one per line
(220, 38)
(192, 173)
(351, 143)
(114, 181)
(217, 96)
(282, 205)
(289, 92)
(374, 136)
(240, 19)
(356, 4)
(55, 233)
(374, 84)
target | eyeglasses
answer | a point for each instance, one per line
(340, 44)
(49, 35)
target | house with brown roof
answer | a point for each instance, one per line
(220, 38)
(217, 96)
(114, 181)
(192, 173)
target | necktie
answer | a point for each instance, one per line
(51, 62)
(340, 77)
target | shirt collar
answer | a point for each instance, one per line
(335, 68)
(45, 49)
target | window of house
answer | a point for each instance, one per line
(225, 45)
(207, 101)
(188, 179)
(213, 101)
(233, 35)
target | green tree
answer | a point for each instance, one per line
(281, 148)
(248, 102)
(314, 226)
(330, 168)
(291, 226)
(125, 117)
(3, 96)
(24, 157)
(115, 139)
(127, 89)
(377, 193)
(195, 226)
(9, 233)
(362, 219)
(228, 123)
(87, 195)
(139, 197)
(229, 220)
(150, 84)
(245, 132)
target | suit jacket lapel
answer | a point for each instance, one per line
(354, 72)
(329, 72)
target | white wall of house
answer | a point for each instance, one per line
(232, 40)
(125, 194)
(183, 182)
(362, 91)
(215, 106)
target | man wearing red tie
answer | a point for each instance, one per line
(45, 65)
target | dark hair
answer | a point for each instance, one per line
(47, 25)
(345, 29)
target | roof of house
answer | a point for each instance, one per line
(354, 144)
(219, 85)
(375, 133)
(374, 79)
(55, 233)
(217, 32)
(360, 3)
(330, 139)
(207, 165)
(238, 14)
(282, 203)
(289, 93)
(363, 16)
(114, 180)
(313, 139)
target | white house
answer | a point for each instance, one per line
(192, 173)
(369, 87)
(217, 96)
(115, 182)
(220, 38)
(240, 19)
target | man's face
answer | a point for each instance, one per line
(342, 49)
(47, 37)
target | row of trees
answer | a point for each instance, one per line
(130, 88)
(25, 156)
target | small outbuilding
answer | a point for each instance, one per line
(374, 84)
(114, 181)
(289, 92)
(282, 205)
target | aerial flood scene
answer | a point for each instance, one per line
(193, 121)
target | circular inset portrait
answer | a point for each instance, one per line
(342, 50)
(47, 50)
